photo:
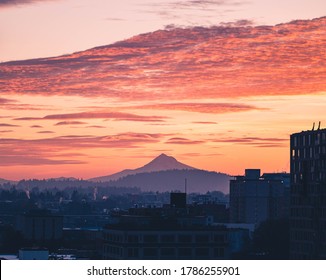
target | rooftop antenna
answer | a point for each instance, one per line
(313, 127)
(319, 125)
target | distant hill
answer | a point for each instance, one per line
(64, 179)
(4, 181)
(170, 180)
(160, 163)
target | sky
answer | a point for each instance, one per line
(220, 85)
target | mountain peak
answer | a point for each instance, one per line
(163, 162)
(160, 163)
(164, 158)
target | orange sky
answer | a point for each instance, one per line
(223, 98)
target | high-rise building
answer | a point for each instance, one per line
(308, 195)
(255, 198)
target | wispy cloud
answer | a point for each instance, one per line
(61, 143)
(259, 142)
(69, 123)
(6, 101)
(7, 3)
(116, 116)
(95, 126)
(36, 126)
(191, 10)
(12, 104)
(238, 23)
(210, 108)
(204, 122)
(115, 19)
(31, 160)
(51, 150)
(183, 141)
(45, 132)
(8, 125)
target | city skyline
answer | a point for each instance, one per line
(217, 94)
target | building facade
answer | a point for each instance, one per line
(308, 195)
(255, 198)
(175, 231)
(169, 243)
(40, 226)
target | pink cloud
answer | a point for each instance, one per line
(184, 63)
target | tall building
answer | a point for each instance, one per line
(308, 195)
(255, 198)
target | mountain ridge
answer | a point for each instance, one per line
(165, 174)
(198, 181)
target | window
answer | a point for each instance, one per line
(219, 252)
(150, 252)
(219, 238)
(185, 238)
(167, 251)
(133, 239)
(202, 238)
(167, 238)
(150, 238)
(185, 252)
(133, 252)
(202, 252)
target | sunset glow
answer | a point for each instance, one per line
(223, 97)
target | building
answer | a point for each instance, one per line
(40, 226)
(308, 195)
(255, 198)
(33, 254)
(174, 231)
(165, 243)
(85, 243)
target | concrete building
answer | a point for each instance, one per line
(308, 195)
(40, 225)
(255, 198)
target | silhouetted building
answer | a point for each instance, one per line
(178, 200)
(308, 195)
(168, 242)
(171, 232)
(40, 225)
(255, 198)
(86, 242)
